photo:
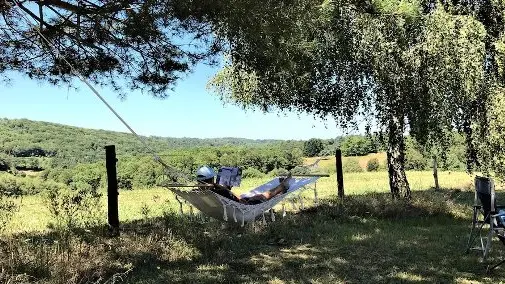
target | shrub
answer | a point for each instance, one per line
(124, 182)
(9, 190)
(92, 174)
(44, 175)
(300, 170)
(5, 162)
(77, 205)
(252, 173)
(278, 172)
(60, 175)
(16, 185)
(351, 165)
(373, 165)
(30, 186)
(9, 185)
(7, 208)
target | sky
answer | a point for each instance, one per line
(189, 111)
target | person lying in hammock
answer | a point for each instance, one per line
(205, 175)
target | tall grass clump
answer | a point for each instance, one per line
(74, 206)
(9, 191)
(7, 209)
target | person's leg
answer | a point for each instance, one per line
(281, 188)
(262, 197)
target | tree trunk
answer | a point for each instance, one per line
(396, 159)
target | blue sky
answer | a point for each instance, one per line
(189, 111)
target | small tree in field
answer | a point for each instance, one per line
(313, 147)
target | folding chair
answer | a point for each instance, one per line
(485, 211)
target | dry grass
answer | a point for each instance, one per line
(367, 239)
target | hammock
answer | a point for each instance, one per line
(222, 208)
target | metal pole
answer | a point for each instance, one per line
(112, 190)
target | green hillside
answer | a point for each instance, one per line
(28, 144)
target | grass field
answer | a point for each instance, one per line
(138, 204)
(367, 239)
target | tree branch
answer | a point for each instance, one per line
(63, 5)
(41, 15)
(34, 16)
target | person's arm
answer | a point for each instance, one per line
(225, 191)
(222, 187)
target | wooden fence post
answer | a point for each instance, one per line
(340, 173)
(112, 190)
(435, 173)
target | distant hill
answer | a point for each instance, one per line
(36, 145)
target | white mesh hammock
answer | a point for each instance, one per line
(222, 208)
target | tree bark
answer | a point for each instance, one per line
(398, 182)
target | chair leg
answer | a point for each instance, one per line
(489, 240)
(472, 236)
(477, 233)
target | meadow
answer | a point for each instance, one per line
(365, 238)
(33, 214)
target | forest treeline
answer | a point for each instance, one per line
(34, 145)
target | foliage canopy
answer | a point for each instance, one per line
(149, 44)
(423, 66)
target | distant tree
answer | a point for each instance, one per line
(312, 147)
(329, 148)
(357, 145)
(450, 153)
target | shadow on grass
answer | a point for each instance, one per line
(365, 239)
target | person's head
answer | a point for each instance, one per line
(205, 174)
